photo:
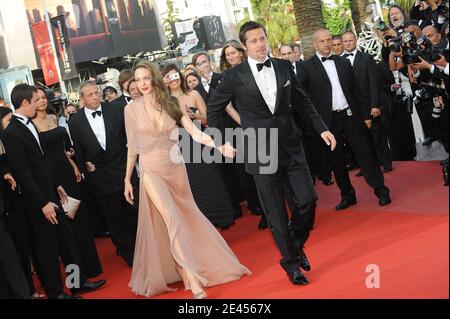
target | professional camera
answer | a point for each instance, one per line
(443, 9)
(58, 102)
(430, 51)
(408, 44)
(380, 24)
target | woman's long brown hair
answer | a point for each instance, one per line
(163, 99)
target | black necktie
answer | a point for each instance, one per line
(96, 113)
(348, 54)
(260, 66)
(23, 120)
(331, 57)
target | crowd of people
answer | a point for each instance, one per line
(340, 109)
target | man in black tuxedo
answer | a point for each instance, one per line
(332, 86)
(287, 53)
(209, 79)
(53, 235)
(100, 143)
(316, 151)
(124, 80)
(267, 91)
(368, 77)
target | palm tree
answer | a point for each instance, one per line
(308, 14)
(279, 20)
(359, 13)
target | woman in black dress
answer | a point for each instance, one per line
(207, 185)
(55, 142)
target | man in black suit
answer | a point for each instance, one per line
(99, 138)
(13, 282)
(332, 86)
(368, 77)
(52, 232)
(267, 91)
(209, 79)
(315, 150)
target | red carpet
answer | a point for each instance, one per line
(408, 240)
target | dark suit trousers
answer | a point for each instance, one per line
(347, 129)
(271, 190)
(12, 278)
(379, 135)
(121, 218)
(51, 242)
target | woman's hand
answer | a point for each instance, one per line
(10, 179)
(129, 195)
(77, 173)
(227, 150)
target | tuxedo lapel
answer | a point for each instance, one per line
(26, 132)
(358, 58)
(247, 78)
(321, 69)
(277, 70)
(85, 128)
(340, 71)
(108, 119)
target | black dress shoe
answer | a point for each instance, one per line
(445, 172)
(298, 278)
(263, 223)
(388, 169)
(428, 141)
(102, 234)
(384, 200)
(346, 203)
(351, 166)
(89, 286)
(256, 210)
(305, 265)
(360, 174)
(326, 180)
(66, 296)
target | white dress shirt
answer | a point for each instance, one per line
(98, 125)
(266, 80)
(23, 119)
(294, 65)
(206, 83)
(350, 57)
(339, 100)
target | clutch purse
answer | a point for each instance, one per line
(71, 207)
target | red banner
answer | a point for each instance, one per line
(45, 51)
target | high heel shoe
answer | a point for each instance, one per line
(200, 295)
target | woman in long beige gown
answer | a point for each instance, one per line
(174, 240)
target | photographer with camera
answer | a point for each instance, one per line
(430, 12)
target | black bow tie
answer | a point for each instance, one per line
(260, 66)
(348, 54)
(23, 120)
(94, 114)
(331, 57)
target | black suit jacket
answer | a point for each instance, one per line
(108, 177)
(238, 84)
(215, 81)
(122, 101)
(367, 74)
(316, 83)
(4, 169)
(29, 166)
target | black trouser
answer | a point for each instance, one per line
(12, 279)
(121, 218)
(425, 112)
(51, 242)
(271, 189)
(379, 135)
(317, 155)
(357, 139)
